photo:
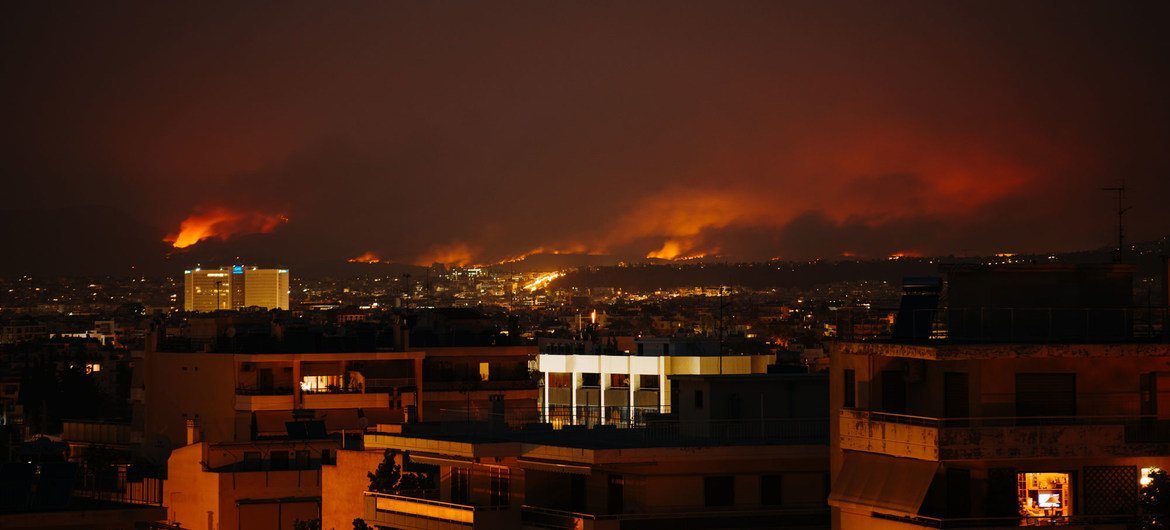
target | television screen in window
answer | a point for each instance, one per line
(1048, 499)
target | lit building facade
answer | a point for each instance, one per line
(587, 383)
(228, 288)
(267, 485)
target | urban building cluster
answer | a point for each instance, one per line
(989, 396)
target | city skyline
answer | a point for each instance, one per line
(426, 133)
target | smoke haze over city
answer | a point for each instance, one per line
(424, 132)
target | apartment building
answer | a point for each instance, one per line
(240, 397)
(587, 383)
(259, 485)
(475, 380)
(750, 472)
(1037, 397)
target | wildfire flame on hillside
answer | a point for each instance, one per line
(222, 223)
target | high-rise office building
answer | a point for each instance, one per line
(235, 287)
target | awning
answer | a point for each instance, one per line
(272, 422)
(554, 467)
(883, 482)
(439, 460)
(341, 420)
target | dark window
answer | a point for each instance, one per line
(666, 349)
(577, 493)
(460, 485)
(894, 391)
(958, 492)
(640, 348)
(303, 459)
(593, 380)
(698, 399)
(278, 460)
(718, 491)
(252, 460)
(770, 490)
(956, 390)
(648, 382)
(560, 380)
(734, 407)
(500, 486)
(616, 494)
(850, 381)
(327, 457)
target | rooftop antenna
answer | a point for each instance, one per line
(1121, 209)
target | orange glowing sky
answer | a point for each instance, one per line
(477, 134)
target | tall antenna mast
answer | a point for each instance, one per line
(1121, 209)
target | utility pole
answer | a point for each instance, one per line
(1121, 209)
(719, 328)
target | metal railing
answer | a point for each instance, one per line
(471, 386)
(666, 431)
(116, 483)
(96, 431)
(387, 384)
(727, 516)
(1138, 428)
(1006, 324)
(1130, 520)
(245, 390)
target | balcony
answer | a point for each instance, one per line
(699, 517)
(397, 511)
(992, 523)
(942, 439)
(465, 386)
(255, 402)
(345, 400)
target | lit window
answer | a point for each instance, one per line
(1146, 479)
(1045, 494)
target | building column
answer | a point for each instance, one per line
(576, 385)
(296, 384)
(544, 404)
(663, 385)
(630, 412)
(602, 386)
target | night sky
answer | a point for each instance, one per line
(471, 133)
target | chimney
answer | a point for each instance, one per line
(194, 434)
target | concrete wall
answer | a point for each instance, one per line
(343, 485)
(182, 386)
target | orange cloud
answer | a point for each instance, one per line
(452, 254)
(222, 223)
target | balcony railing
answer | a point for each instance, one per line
(416, 507)
(657, 432)
(730, 517)
(244, 390)
(1006, 324)
(471, 386)
(388, 384)
(1129, 521)
(1001, 437)
(1141, 423)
